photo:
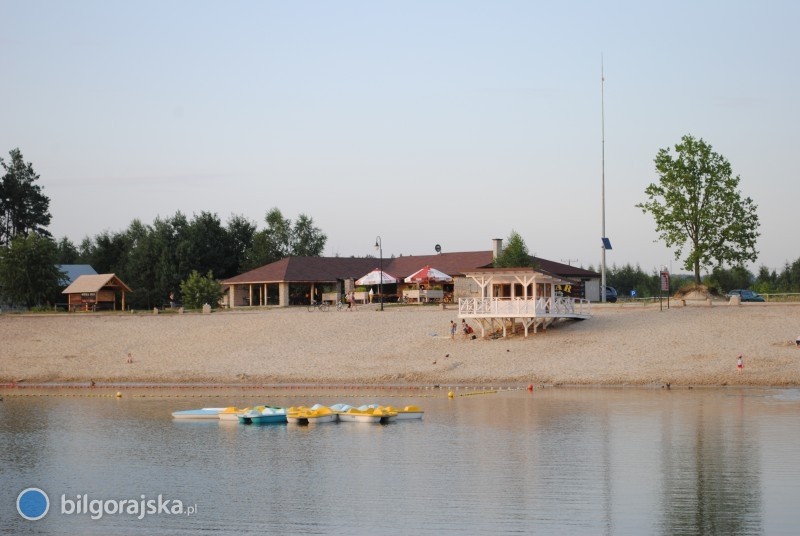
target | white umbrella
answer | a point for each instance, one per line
(428, 274)
(374, 278)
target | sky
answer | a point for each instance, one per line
(422, 122)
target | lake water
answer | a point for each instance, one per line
(557, 461)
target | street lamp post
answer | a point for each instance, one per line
(379, 248)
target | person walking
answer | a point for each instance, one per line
(739, 364)
(453, 329)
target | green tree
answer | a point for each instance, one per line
(724, 280)
(240, 235)
(766, 281)
(279, 235)
(141, 261)
(280, 239)
(107, 252)
(628, 278)
(24, 208)
(28, 270)
(307, 240)
(164, 240)
(696, 204)
(205, 246)
(789, 278)
(515, 254)
(198, 290)
(67, 252)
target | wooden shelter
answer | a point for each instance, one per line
(509, 295)
(90, 292)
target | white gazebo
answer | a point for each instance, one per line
(526, 295)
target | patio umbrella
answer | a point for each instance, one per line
(374, 278)
(428, 274)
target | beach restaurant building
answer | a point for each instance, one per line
(298, 280)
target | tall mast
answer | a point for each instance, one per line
(603, 178)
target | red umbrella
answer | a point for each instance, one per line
(428, 274)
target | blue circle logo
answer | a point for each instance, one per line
(33, 504)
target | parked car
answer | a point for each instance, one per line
(746, 295)
(611, 294)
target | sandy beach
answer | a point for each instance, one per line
(632, 344)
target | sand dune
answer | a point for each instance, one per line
(406, 345)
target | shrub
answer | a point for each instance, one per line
(198, 290)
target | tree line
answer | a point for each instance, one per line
(153, 259)
(720, 280)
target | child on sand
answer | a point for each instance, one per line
(466, 329)
(453, 328)
(739, 364)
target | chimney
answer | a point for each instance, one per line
(497, 247)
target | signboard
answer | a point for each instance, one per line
(633, 293)
(665, 281)
(564, 290)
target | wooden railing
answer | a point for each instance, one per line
(519, 307)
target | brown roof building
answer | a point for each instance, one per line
(298, 280)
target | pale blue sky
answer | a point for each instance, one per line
(425, 122)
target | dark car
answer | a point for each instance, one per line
(746, 295)
(611, 294)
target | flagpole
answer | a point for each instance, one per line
(603, 178)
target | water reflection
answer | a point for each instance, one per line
(711, 471)
(574, 461)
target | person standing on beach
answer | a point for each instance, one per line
(453, 328)
(739, 364)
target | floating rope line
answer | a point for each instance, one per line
(234, 391)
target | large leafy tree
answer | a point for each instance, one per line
(204, 246)
(307, 240)
(240, 235)
(515, 254)
(697, 205)
(282, 239)
(29, 273)
(139, 270)
(164, 239)
(24, 208)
